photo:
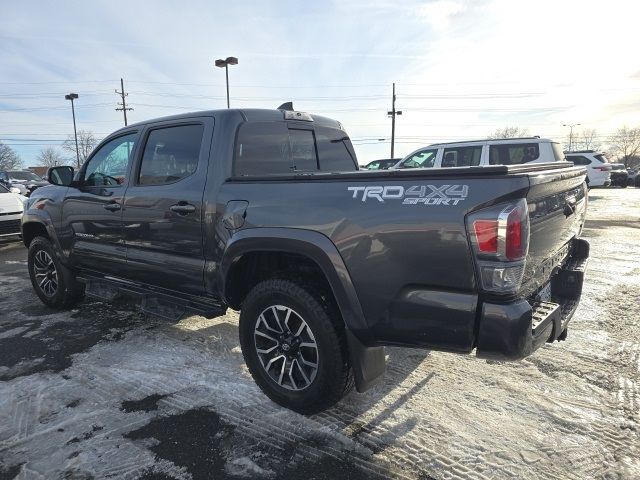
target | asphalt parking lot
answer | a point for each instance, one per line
(104, 392)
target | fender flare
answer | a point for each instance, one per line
(367, 359)
(47, 223)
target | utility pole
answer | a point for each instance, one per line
(123, 106)
(393, 114)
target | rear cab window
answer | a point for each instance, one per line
(514, 153)
(278, 148)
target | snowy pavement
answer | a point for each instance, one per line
(103, 392)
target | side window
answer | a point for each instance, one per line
(335, 150)
(170, 154)
(373, 165)
(262, 148)
(579, 160)
(421, 159)
(109, 165)
(513, 154)
(462, 156)
(303, 150)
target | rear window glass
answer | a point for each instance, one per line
(262, 148)
(265, 148)
(462, 156)
(335, 150)
(303, 150)
(513, 154)
(601, 158)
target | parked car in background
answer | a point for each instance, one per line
(382, 164)
(473, 153)
(633, 175)
(619, 175)
(11, 209)
(598, 168)
(23, 180)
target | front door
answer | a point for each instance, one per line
(163, 207)
(92, 209)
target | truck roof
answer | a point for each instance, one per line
(248, 114)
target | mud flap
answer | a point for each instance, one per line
(368, 363)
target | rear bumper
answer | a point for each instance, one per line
(515, 330)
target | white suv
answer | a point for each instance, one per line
(598, 169)
(511, 151)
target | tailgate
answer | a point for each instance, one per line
(557, 204)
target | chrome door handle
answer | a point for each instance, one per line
(112, 207)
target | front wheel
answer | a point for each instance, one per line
(55, 285)
(294, 347)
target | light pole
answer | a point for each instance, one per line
(570, 132)
(72, 97)
(225, 63)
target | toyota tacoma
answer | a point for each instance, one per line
(265, 212)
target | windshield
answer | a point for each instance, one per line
(23, 175)
(421, 159)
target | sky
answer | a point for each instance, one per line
(462, 69)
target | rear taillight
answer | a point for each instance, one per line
(499, 238)
(486, 232)
(604, 168)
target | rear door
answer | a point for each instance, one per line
(163, 206)
(92, 208)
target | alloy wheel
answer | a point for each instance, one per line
(45, 273)
(286, 347)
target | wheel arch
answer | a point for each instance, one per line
(367, 359)
(310, 246)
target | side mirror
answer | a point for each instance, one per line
(60, 175)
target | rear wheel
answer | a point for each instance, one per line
(294, 348)
(55, 284)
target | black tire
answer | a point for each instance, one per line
(333, 378)
(62, 293)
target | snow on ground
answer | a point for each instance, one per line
(103, 392)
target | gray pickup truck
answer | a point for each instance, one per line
(265, 211)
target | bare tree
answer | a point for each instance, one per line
(86, 144)
(625, 143)
(9, 159)
(509, 132)
(51, 157)
(587, 140)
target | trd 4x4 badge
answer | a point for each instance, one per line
(417, 194)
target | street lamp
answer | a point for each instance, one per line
(225, 63)
(570, 132)
(72, 97)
